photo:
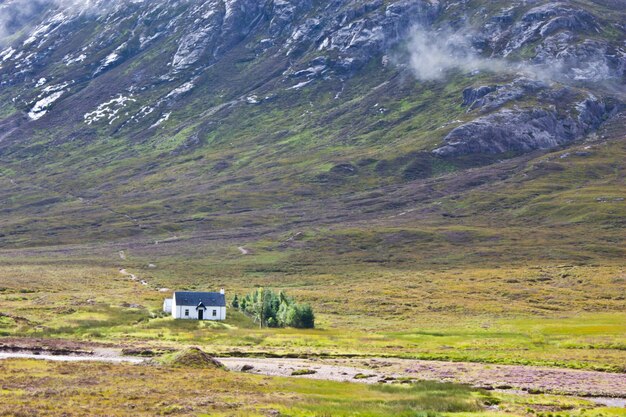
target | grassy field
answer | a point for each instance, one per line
(30, 387)
(524, 272)
(565, 316)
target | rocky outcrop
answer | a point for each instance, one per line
(490, 98)
(217, 26)
(369, 29)
(508, 130)
(516, 130)
(284, 13)
(472, 95)
(562, 39)
(589, 60)
(543, 21)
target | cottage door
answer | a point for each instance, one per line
(200, 314)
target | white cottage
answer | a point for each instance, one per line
(196, 305)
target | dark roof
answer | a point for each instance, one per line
(210, 299)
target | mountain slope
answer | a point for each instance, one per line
(244, 118)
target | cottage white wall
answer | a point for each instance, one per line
(167, 305)
(220, 313)
(178, 312)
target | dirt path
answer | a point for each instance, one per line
(128, 274)
(285, 367)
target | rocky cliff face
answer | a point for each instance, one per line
(56, 50)
(563, 53)
(67, 48)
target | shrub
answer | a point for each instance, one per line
(235, 302)
(271, 309)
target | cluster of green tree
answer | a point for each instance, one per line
(271, 309)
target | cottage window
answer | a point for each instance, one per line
(214, 313)
(187, 313)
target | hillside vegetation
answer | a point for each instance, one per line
(128, 120)
(437, 179)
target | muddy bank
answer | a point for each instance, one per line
(70, 358)
(62, 350)
(47, 346)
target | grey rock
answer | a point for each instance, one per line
(370, 29)
(283, 15)
(585, 61)
(471, 94)
(217, 26)
(524, 130)
(505, 131)
(545, 20)
(492, 98)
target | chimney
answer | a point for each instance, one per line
(222, 291)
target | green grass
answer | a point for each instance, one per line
(560, 315)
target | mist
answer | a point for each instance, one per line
(433, 54)
(16, 15)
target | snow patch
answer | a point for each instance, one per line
(54, 88)
(252, 100)
(40, 108)
(162, 120)
(68, 60)
(143, 40)
(44, 30)
(188, 86)
(108, 111)
(300, 85)
(7, 54)
(143, 112)
(111, 58)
